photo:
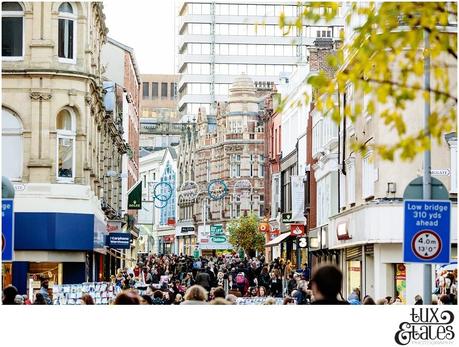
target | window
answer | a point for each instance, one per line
(286, 193)
(251, 173)
(154, 90)
(163, 89)
(173, 92)
(232, 49)
(252, 10)
(11, 145)
(368, 177)
(66, 32)
(261, 165)
(242, 49)
(270, 50)
(242, 10)
(261, 10)
(351, 181)
(261, 206)
(235, 166)
(233, 10)
(342, 190)
(146, 90)
(12, 30)
(65, 126)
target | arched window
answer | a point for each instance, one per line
(65, 126)
(11, 145)
(66, 33)
(12, 30)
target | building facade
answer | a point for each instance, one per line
(218, 40)
(53, 148)
(159, 115)
(122, 88)
(228, 150)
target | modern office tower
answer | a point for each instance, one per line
(219, 40)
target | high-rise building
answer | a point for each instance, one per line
(218, 40)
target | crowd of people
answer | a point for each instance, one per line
(184, 280)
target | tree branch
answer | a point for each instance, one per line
(398, 84)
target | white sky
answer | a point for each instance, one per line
(148, 27)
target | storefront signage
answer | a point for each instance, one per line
(342, 232)
(113, 226)
(302, 242)
(427, 231)
(119, 240)
(168, 238)
(217, 189)
(264, 227)
(7, 230)
(296, 229)
(187, 229)
(216, 234)
(162, 191)
(135, 197)
(287, 217)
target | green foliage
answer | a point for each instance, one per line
(244, 233)
(384, 59)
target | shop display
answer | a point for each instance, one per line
(258, 300)
(103, 293)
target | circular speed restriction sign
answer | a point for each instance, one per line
(426, 244)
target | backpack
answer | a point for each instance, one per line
(240, 278)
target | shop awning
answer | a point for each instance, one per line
(278, 239)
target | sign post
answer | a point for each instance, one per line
(7, 230)
(135, 197)
(427, 231)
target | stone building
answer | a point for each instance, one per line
(52, 143)
(228, 147)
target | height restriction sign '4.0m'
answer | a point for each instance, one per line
(427, 231)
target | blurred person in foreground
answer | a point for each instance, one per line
(195, 295)
(326, 284)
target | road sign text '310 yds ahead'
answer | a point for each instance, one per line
(427, 236)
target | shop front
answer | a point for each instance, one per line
(185, 239)
(213, 238)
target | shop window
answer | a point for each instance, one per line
(66, 33)
(12, 151)
(12, 30)
(65, 126)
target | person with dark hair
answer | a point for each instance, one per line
(368, 300)
(418, 300)
(127, 297)
(39, 299)
(9, 294)
(203, 279)
(326, 284)
(219, 292)
(146, 300)
(158, 298)
(87, 300)
(444, 300)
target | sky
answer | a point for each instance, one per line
(148, 27)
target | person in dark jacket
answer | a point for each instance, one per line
(9, 294)
(275, 285)
(263, 278)
(203, 279)
(326, 285)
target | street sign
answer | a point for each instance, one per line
(427, 231)
(286, 217)
(7, 230)
(296, 229)
(440, 172)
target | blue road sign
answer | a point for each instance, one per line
(427, 231)
(7, 230)
(119, 240)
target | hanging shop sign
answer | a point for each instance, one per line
(119, 240)
(187, 229)
(135, 197)
(297, 198)
(287, 218)
(302, 242)
(264, 227)
(162, 191)
(217, 189)
(342, 232)
(296, 229)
